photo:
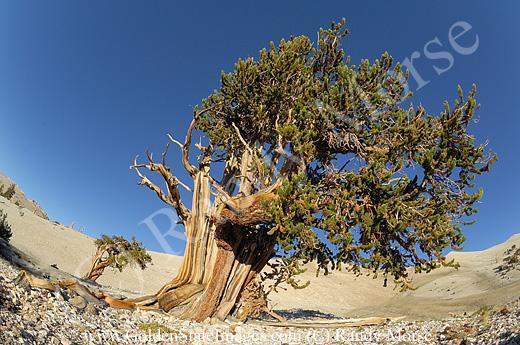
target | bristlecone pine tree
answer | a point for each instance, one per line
(318, 159)
(117, 253)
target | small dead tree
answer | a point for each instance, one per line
(117, 253)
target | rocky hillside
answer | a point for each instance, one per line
(20, 199)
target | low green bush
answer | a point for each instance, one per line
(5, 228)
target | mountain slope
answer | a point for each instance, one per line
(20, 199)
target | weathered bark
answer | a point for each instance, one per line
(224, 247)
(197, 231)
(224, 250)
(240, 254)
(97, 267)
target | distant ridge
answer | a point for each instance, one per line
(21, 199)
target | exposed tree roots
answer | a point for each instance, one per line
(251, 303)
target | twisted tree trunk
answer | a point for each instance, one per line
(224, 252)
(226, 248)
(97, 266)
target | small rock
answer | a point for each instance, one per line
(29, 317)
(78, 301)
(91, 309)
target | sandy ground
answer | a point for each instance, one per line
(439, 294)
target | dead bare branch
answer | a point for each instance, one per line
(187, 143)
(173, 197)
(173, 140)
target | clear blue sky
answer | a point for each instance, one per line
(85, 86)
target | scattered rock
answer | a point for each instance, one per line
(91, 309)
(78, 301)
(36, 316)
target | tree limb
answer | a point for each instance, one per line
(186, 146)
(173, 197)
(258, 163)
(192, 170)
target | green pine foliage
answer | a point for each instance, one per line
(387, 183)
(5, 228)
(118, 252)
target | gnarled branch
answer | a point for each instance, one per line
(187, 143)
(254, 156)
(192, 170)
(173, 197)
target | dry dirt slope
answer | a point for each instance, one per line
(444, 291)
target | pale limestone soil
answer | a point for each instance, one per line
(42, 317)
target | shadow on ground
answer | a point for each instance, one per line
(515, 340)
(305, 314)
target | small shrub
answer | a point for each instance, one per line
(5, 228)
(484, 313)
(117, 253)
(513, 256)
(9, 192)
(510, 262)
